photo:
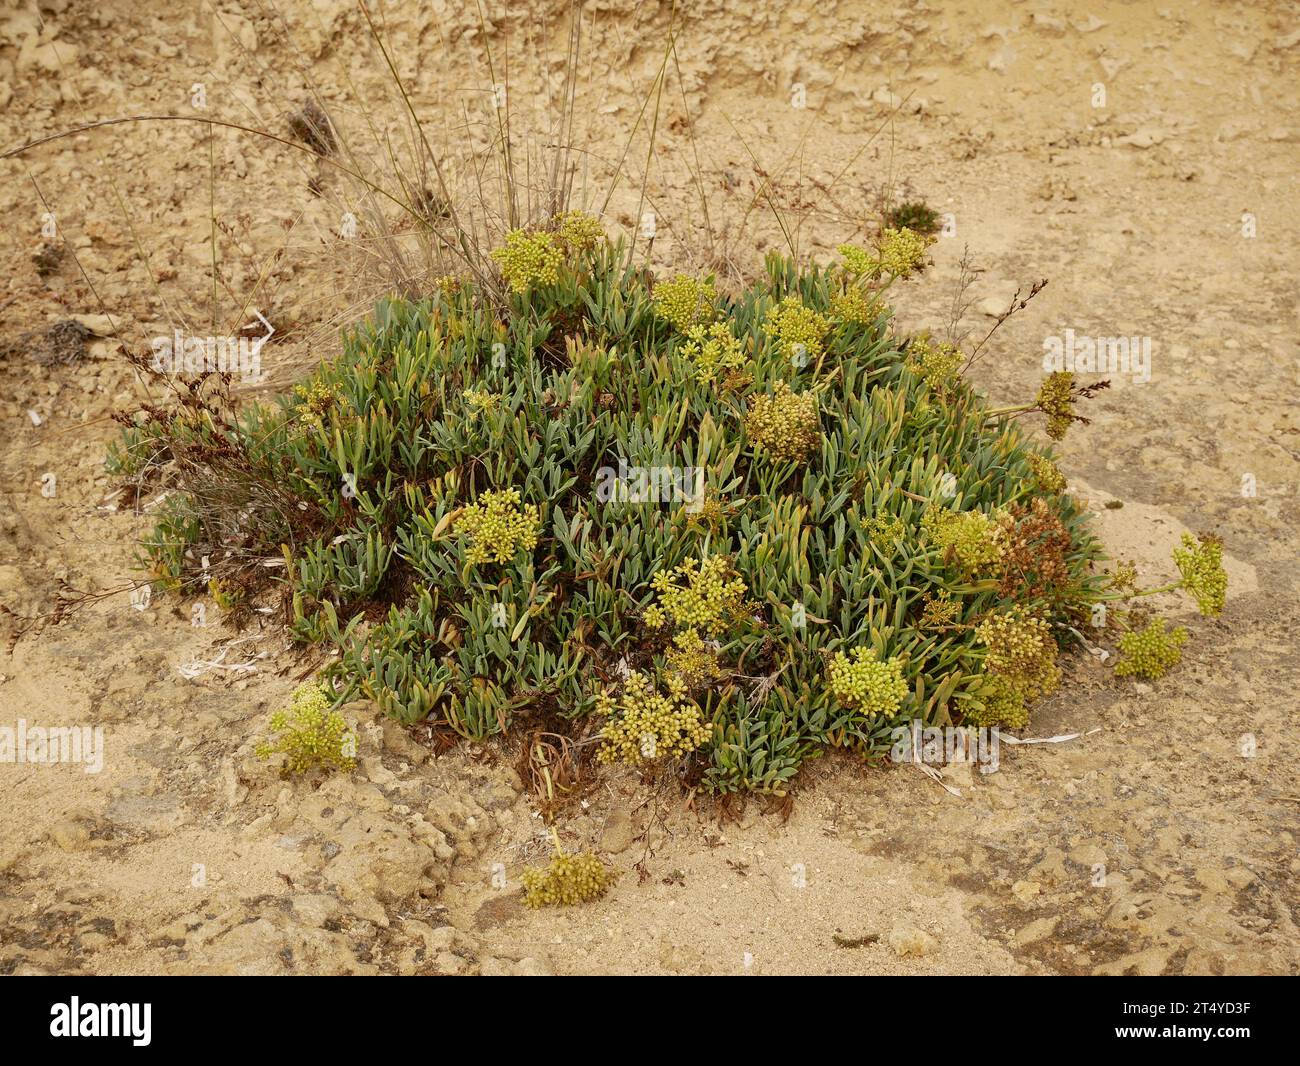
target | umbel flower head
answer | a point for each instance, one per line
(1201, 564)
(798, 330)
(1150, 652)
(862, 682)
(448, 284)
(858, 261)
(567, 880)
(884, 529)
(936, 363)
(309, 734)
(691, 659)
(902, 251)
(707, 516)
(940, 611)
(1056, 401)
(1047, 475)
(785, 423)
(712, 350)
(1021, 651)
(706, 595)
(529, 258)
(646, 724)
(685, 301)
(972, 539)
(578, 231)
(1123, 578)
(480, 400)
(853, 305)
(315, 400)
(998, 702)
(498, 528)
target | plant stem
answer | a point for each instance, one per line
(1163, 588)
(1140, 592)
(1018, 409)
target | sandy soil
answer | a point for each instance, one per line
(1163, 841)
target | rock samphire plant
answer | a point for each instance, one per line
(739, 528)
(309, 734)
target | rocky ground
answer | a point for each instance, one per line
(1161, 841)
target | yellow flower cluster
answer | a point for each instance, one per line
(1047, 475)
(1021, 651)
(798, 330)
(972, 538)
(447, 284)
(708, 516)
(705, 595)
(579, 231)
(691, 659)
(498, 527)
(1150, 652)
(853, 305)
(316, 400)
(481, 400)
(1201, 564)
(646, 724)
(861, 681)
(529, 258)
(711, 350)
(901, 251)
(857, 260)
(1056, 400)
(569, 879)
(884, 529)
(936, 363)
(310, 735)
(785, 423)
(999, 703)
(685, 301)
(939, 611)
(1123, 578)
